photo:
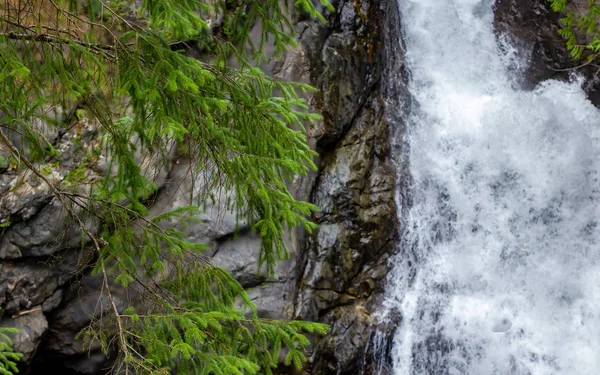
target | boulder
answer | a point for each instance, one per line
(32, 325)
(26, 283)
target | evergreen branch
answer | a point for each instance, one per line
(134, 215)
(591, 62)
(31, 28)
(104, 6)
(8, 357)
(234, 131)
(87, 21)
(63, 11)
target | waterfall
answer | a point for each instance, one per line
(499, 267)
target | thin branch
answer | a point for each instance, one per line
(47, 38)
(21, 313)
(121, 333)
(578, 66)
(71, 14)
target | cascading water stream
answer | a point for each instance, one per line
(499, 268)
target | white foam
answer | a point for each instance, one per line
(503, 232)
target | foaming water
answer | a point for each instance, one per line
(499, 268)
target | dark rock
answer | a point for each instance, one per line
(28, 283)
(92, 364)
(356, 62)
(53, 301)
(533, 27)
(343, 65)
(85, 300)
(49, 231)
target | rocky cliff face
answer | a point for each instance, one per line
(336, 274)
(356, 63)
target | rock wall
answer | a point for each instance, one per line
(355, 61)
(336, 274)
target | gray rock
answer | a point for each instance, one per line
(49, 231)
(239, 256)
(213, 222)
(26, 285)
(53, 301)
(31, 325)
(273, 300)
(85, 300)
(20, 202)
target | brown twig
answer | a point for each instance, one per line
(21, 313)
(47, 38)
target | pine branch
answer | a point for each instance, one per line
(238, 134)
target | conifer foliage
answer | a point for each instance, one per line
(118, 64)
(8, 358)
(580, 27)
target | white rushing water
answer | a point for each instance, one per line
(499, 268)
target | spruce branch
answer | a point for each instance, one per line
(143, 95)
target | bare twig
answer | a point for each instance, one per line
(576, 67)
(47, 38)
(21, 313)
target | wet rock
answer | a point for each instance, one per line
(342, 62)
(49, 231)
(356, 63)
(532, 27)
